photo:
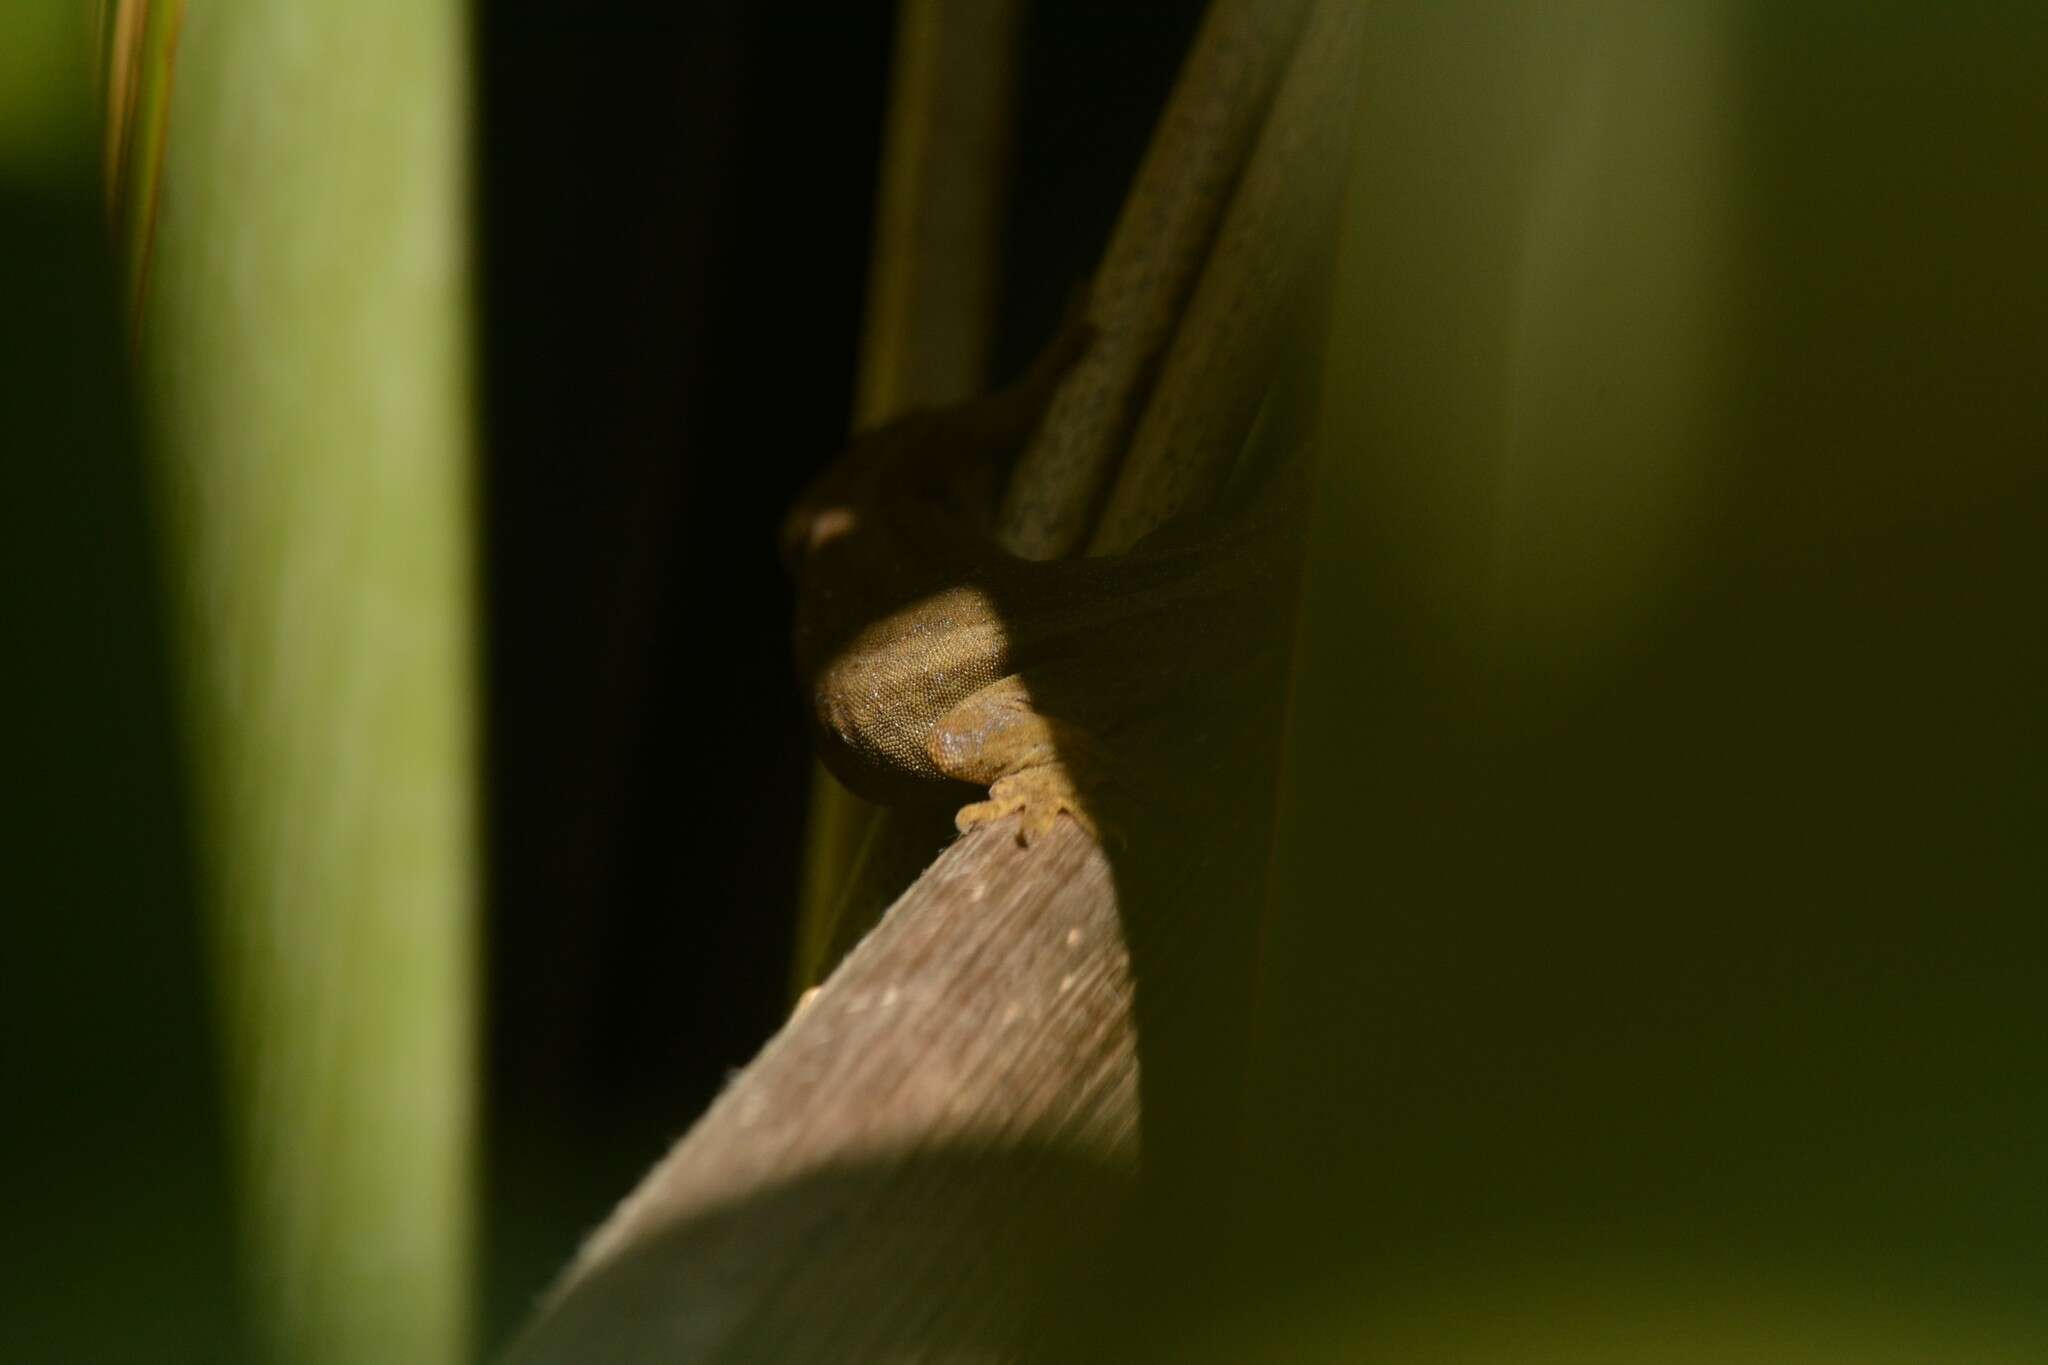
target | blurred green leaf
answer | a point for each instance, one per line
(303, 344)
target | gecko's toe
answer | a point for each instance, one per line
(1039, 795)
(1037, 823)
(980, 813)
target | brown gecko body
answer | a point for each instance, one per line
(933, 658)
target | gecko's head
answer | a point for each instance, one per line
(829, 508)
(840, 501)
(811, 525)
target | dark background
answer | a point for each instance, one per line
(675, 211)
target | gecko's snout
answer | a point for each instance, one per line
(792, 537)
(809, 526)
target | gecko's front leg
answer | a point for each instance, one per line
(1034, 765)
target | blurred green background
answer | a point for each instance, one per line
(1658, 909)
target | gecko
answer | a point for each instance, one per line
(934, 662)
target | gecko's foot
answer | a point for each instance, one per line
(1040, 795)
